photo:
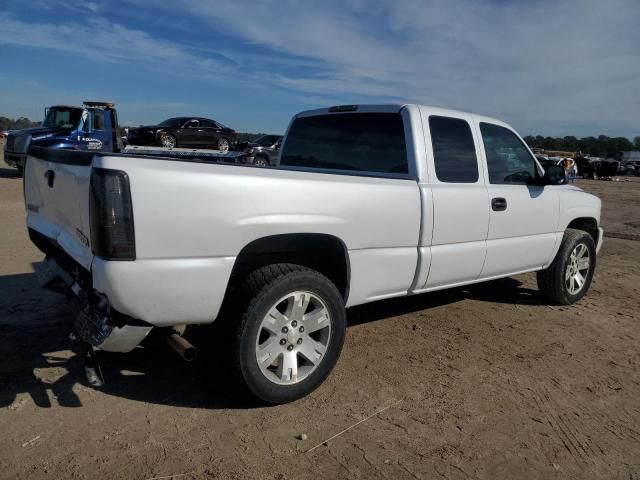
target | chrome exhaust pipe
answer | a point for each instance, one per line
(182, 347)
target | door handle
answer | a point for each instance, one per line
(499, 204)
(50, 175)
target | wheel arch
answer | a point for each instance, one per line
(586, 224)
(322, 252)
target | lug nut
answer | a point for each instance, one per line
(283, 341)
(294, 324)
(285, 329)
(299, 341)
(301, 329)
(290, 347)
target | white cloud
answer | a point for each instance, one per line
(101, 40)
(551, 67)
(541, 64)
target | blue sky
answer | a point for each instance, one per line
(565, 67)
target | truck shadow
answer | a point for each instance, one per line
(39, 362)
(504, 290)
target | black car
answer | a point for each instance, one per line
(263, 151)
(193, 132)
(545, 162)
(597, 167)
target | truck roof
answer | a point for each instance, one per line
(91, 103)
(392, 108)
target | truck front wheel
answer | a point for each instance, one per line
(569, 276)
(291, 333)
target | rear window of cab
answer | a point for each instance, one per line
(349, 142)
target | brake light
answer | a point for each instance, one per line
(112, 232)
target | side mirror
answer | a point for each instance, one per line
(555, 175)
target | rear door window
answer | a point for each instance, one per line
(454, 152)
(352, 142)
(508, 160)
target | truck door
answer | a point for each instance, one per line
(523, 217)
(460, 200)
(96, 131)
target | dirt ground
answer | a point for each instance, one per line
(485, 382)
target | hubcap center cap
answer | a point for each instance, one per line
(293, 335)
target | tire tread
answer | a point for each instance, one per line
(252, 290)
(551, 280)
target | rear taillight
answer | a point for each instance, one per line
(112, 233)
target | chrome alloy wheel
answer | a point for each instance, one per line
(168, 141)
(577, 269)
(223, 145)
(293, 338)
(261, 162)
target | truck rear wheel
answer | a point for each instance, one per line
(291, 333)
(569, 276)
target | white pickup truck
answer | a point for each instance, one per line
(368, 202)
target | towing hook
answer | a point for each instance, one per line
(182, 346)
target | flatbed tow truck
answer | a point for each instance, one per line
(193, 154)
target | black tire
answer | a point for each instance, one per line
(262, 290)
(261, 161)
(552, 282)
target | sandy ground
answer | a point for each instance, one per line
(485, 382)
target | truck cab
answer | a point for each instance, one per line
(92, 127)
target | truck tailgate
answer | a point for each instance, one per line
(56, 186)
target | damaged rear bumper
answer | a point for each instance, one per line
(96, 322)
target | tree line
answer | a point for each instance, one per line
(17, 124)
(601, 146)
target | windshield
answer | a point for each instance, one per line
(62, 117)
(172, 122)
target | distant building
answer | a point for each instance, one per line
(630, 156)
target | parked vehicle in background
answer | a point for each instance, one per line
(546, 162)
(368, 202)
(92, 127)
(617, 164)
(3, 135)
(597, 167)
(185, 132)
(631, 156)
(631, 160)
(630, 167)
(263, 151)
